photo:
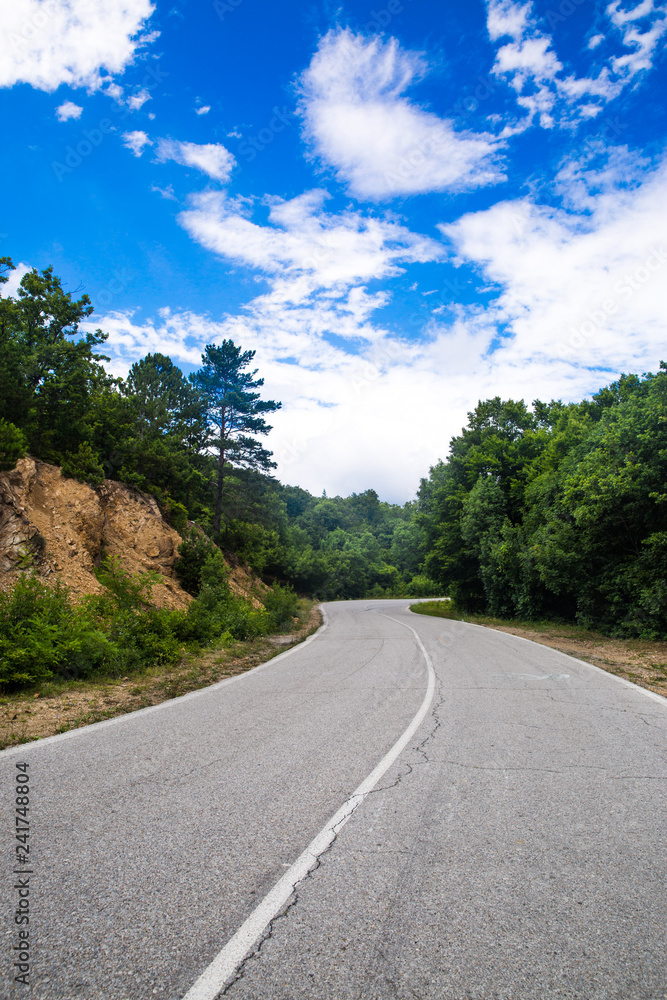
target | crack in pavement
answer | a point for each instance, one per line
(293, 901)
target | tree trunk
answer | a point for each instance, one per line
(221, 476)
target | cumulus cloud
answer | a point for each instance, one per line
(137, 101)
(584, 285)
(581, 299)
(136, 141)
(68, 110)
(381, 145)
(211, 158)
(642, 44)
(46, 43)
(203, 110)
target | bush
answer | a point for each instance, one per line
(43, 634)
(12, 445)
(281, 605)
(84, 465)
(177, 515)
(127, 591)
(195, 551)
(422, 586)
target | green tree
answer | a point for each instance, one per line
(57, 371)
(234, 412)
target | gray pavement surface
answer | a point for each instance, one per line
(516, 849)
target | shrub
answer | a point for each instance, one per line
(281, 605)
(127, 591)
(177, 515)
(12, 445)
(422, 586)
(194, 553)
(43, 634)
(84, 465)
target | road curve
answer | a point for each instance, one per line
(513, 849)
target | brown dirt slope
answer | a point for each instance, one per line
(60, 529)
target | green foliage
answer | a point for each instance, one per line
(42, 634)
(12, 445)
(84, 466)
(233, 413)
(196, 552)
(421, 586)
(177, 515)
(561, 513)
(281, 605)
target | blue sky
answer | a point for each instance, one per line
(402, 208)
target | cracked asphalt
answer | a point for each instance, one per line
(515, 850)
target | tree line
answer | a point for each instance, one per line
(557, 512)
(193, 443)
(554, 510)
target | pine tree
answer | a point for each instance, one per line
(234, 412)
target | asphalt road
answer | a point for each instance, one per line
(515, 848)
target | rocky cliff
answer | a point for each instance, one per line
(61, 528)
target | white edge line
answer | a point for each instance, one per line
(37, 744)
(584, 663)
(223, 967)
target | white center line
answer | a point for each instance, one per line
(223, 967)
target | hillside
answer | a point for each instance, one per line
(62, 528)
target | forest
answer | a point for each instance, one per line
(554, 510)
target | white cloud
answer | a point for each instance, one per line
(381, 144)
(137, 101)
(46, 43)
(136, 141)
(203, 110)
(10, 287)
(506, 18)
(312, 248)
(68, 110)
(641, 43)
(583, 286)
(114, 91)
(569, 317)
(531, 67)
(211, 158)
(167, 192)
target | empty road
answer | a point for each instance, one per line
(402, 807)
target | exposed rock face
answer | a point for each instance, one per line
(62, 528)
